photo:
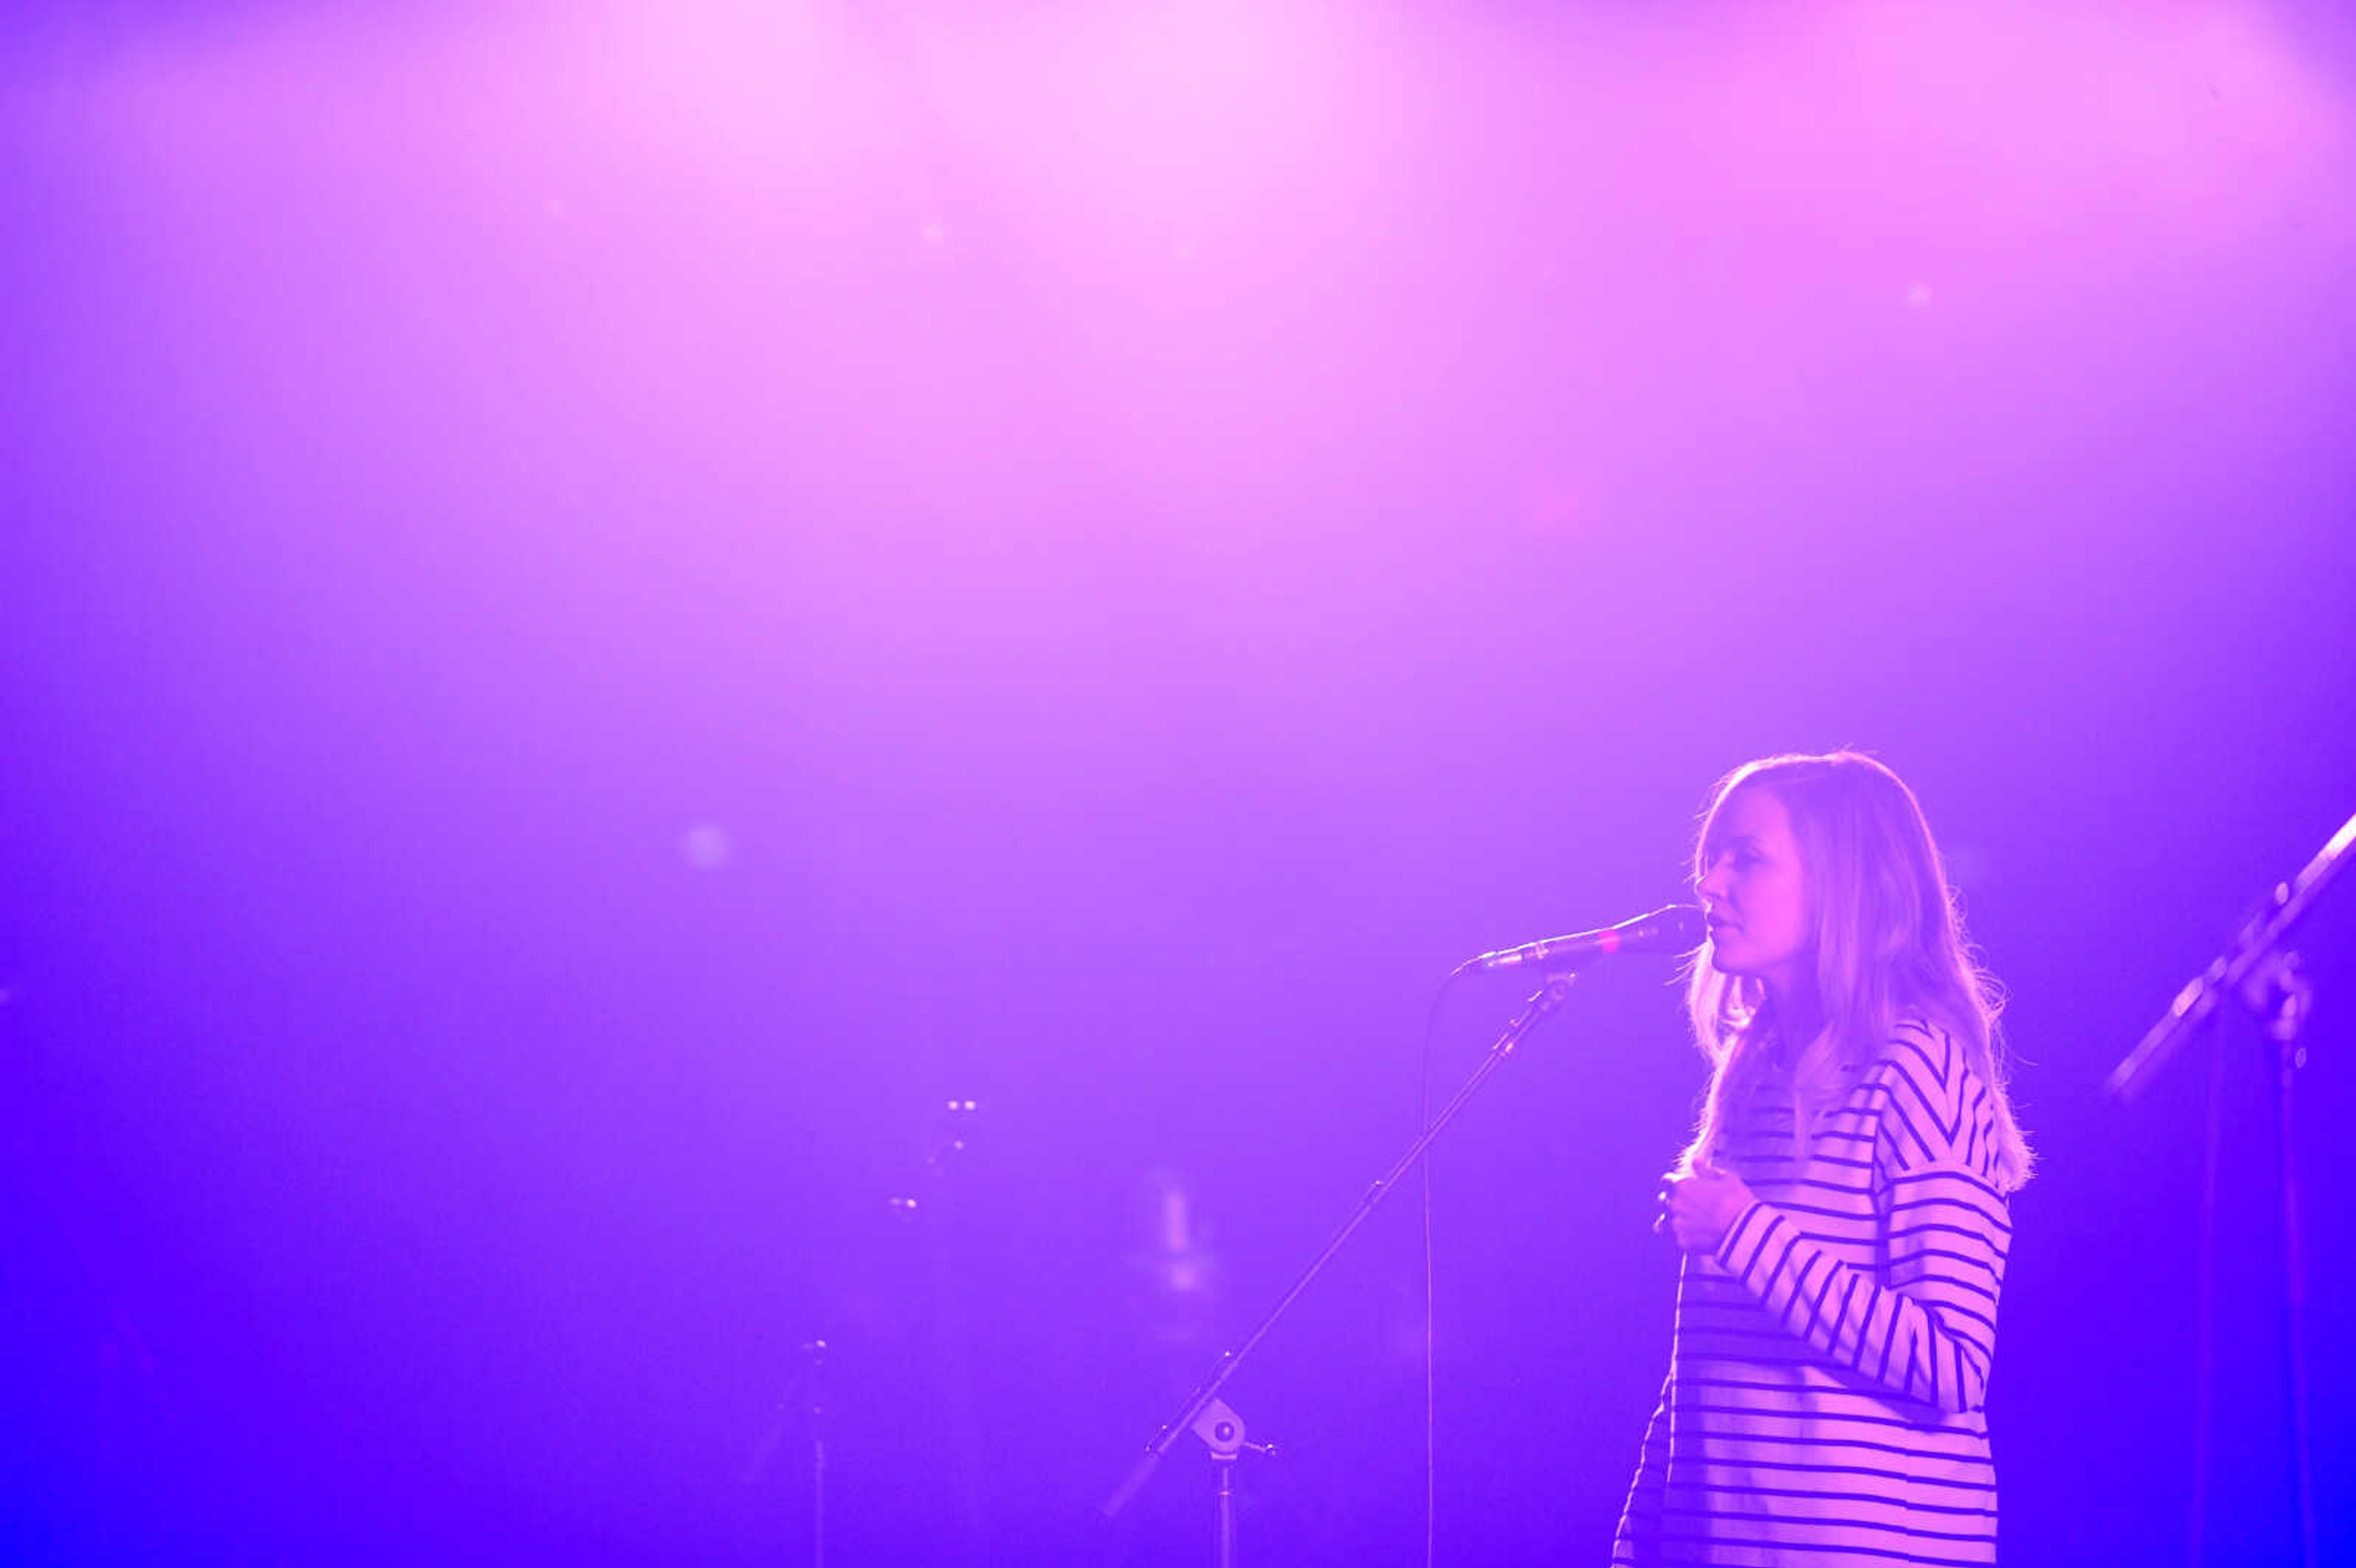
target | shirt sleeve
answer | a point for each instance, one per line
(1922, 1324)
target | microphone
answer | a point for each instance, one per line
(1670, 930)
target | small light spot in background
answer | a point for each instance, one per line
(556, 209)
(934, 233)
(1919, 296)
(706, 847)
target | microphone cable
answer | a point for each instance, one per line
(1431, 1361)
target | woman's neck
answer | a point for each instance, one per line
(1799, 1018)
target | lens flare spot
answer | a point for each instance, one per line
(707, 847)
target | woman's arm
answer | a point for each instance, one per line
(1927, 1330)
(1922, 1327)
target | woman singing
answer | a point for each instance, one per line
(1842, 1206)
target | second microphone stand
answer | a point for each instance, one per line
(1205, 1412)
(2260, 967)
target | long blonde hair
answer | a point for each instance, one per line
(1889, 942)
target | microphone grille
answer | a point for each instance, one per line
(1677, 927)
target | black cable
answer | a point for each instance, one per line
(1430, 1374)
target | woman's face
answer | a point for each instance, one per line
(1755, 892)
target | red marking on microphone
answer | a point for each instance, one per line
(1608, 943)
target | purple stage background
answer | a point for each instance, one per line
(607, 606)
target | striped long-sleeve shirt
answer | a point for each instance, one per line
(1831, 1359)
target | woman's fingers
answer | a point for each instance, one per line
(1696, 1206)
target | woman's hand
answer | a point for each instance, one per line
(1697, 1210)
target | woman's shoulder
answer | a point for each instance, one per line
(1926, 1046)
(1938, 1097)
(1924, 1061)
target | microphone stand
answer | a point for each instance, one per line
(2261, 968)
(807, 1392)
(816, 1351)
(1208, 1417)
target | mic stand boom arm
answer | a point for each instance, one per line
(2232, 969)
(1541, 1007)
